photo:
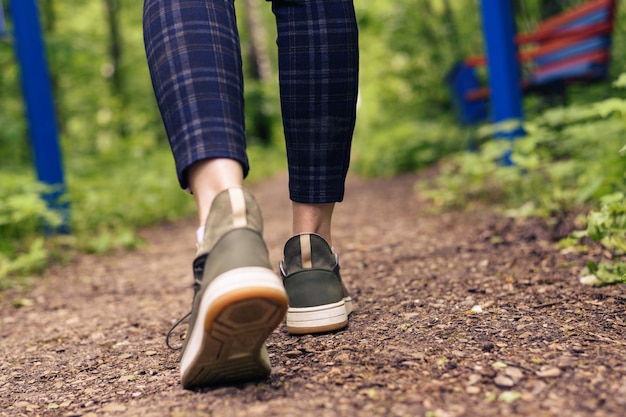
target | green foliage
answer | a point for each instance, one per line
(607, 225)
(604, 273)
(110, 198)
(110, 201)
(404, 115)
(561, 162)
(406, 146)
(23, 215)
(568, 158)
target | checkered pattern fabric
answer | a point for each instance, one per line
(194, 58)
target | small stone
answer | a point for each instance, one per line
(472, 390)
(477, 309)
(474, 379)
(591, 280)
(549, 373)
(293, 353)
(503, 381)
(514, 373)
(488, 347)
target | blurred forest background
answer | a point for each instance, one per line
(120, 173)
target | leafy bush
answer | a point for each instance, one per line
(607, 225)
(110, 200)
(23, 216)
(568, 158)
(405, 147)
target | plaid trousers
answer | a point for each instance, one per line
(194, 58)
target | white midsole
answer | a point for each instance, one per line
(317, 316)
(348, 301)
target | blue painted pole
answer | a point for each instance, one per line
(36, 89)
(503, 67)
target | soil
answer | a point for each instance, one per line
(456, 314)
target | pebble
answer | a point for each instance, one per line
(477, 309)
(472, 390)
(514, 373)
(503, 381)
(293, 353)
(549, 373)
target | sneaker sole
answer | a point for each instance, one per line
(238, 311)
(319, 319)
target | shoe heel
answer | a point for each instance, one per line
(240, 309)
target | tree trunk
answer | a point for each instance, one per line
(453, 33)
(260, 71)
(113, 69)
(115, 46)
(260, 68)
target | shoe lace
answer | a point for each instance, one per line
(198, 268)
(169, 333)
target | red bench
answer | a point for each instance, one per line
(573, 46)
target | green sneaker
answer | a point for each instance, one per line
(238, 299)
(318, 299)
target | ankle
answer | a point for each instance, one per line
(313, 218)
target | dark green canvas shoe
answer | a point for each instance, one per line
(318, 299)
(238, 300)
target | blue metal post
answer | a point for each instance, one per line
(30, 52)
(502, 66)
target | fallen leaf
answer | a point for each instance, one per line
(509, 396)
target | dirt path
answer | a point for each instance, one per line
(89, 339)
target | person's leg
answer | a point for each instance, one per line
(195, 64)
(318, 75)
(318, 72)
(313, 218)
(209, 177)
